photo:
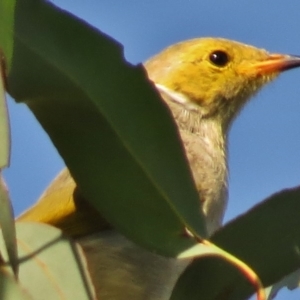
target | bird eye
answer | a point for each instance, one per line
(219, 58)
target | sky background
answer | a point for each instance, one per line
(264, 143)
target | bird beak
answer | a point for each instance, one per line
(274, 63)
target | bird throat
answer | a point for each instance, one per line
(204, 140)
(190, 118)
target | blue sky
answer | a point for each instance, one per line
(264, 143)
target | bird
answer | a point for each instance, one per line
(205, 82)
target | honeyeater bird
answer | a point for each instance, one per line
(205, 82)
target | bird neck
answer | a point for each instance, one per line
(211, 132)
(204, 140)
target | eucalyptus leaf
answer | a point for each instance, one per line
(7, 225)
(266, 238)
(291, 281)
(4, 122)
(50, 265)
(107, 121)
(10, 289)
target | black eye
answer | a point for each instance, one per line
(219, 58)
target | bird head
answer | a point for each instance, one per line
(215, 77)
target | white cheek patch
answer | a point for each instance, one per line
(177, 98)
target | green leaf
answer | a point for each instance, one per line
(7, 225)
(266, 238)
(4, 123)
(6, 29)
(50, 264)
(10, 289)
(210, 276)
(291, 281)
(108, 123)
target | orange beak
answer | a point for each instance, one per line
(273, 64)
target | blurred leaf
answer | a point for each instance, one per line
(210, 276)
(201, 277)
(266, 238)
(51, 266)
(7, 225)
(10, 289)
(6, 213)
(6, 30)
(291, 281)
(4, 123)
(108, 122)
(199, 250)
